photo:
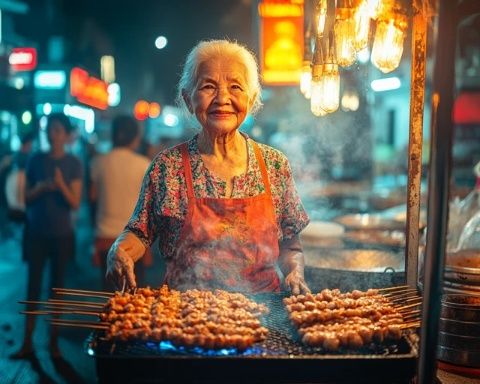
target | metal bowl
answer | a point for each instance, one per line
(463, 267)
(458, 327)
(366, 221)
(360, 260)
(376, 238)
(458, 356)
(461, 307)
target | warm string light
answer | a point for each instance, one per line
(306, 79)
(330, 87)
(321, 16)
(387, 47)
(317, 95)
(344, 27)
(361, 18)
(344, 31)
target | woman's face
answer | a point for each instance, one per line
(220, 100)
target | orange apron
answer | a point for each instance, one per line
(229, 243)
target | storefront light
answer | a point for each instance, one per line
(26, 117)
(50, 79)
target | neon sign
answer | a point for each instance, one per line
(88, 89)
(281, 41)
(23, 59)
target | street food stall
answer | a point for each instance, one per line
(366, 321)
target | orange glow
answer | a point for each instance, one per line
(281, 41)
(88, 89)
(154, 110)
(141, 109)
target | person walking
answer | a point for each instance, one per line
(115, 182)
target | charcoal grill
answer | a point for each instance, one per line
(281, 358)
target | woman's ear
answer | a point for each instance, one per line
(186, 99)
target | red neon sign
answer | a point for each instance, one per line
(88, 89)
(23, 59)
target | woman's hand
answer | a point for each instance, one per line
(295, 281)
(123, 254)
(292, 265)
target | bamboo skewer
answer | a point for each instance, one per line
(401, 309)
(91, 304)
(416, 301)
(104, 293)
(62, 303)
(59, 312)
(393, 288)
(415, 324)
(403, 297)
(400, 293)
(79, 325)
(104, 323)
(411, 313)
(83, 294)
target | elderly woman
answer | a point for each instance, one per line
(224, 208)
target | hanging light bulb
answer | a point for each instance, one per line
(344, 31)
(362, 26)
(387, 47)
(373, 7)
(306, 79)
(321, 16)
(317, 91)
(330, 87)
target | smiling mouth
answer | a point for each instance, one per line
(221, 114)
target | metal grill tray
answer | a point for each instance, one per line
(281, 358)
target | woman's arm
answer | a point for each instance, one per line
(291, 262)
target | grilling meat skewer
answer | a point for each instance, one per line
(331, 319)
(217, 319)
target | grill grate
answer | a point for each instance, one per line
(282, 341)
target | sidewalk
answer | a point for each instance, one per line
(77, 366)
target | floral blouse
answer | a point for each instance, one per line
(162, 206)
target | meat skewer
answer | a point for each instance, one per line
(331, 319)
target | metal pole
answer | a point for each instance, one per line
(417, 100)
(438, 187)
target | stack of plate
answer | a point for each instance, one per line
(459, 336)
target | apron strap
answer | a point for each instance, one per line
(188, 170)
(263, 167)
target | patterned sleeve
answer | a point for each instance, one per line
(143, 222)
(293, 217)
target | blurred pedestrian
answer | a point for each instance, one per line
(116, 180)
(53, 192)
(15, 182)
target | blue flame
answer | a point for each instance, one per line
(167, 346)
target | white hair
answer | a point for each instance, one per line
(208, 49)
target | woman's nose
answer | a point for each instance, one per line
(223, 95)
